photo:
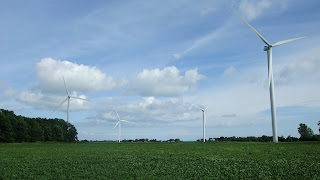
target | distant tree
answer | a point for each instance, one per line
(6, 133)
(265, 138)
(22, 129)
(177, 140)
(72, 133)
(252, 139)
(319, 126)
(282, 139)
(47, 132)
(305, 132)
(35, 132)
(57, 133)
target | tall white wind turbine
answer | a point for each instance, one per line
(268, 48)
(119, 124)
(68, 98)
(204, 120)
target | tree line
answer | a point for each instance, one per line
(306, 134)
(15, 128)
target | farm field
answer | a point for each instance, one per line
(185, 160)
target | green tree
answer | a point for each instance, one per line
(72, 133)
(22, 129)
(6, 134)
(57, 133)
(305, 132)
(47, 132)
(35, 132)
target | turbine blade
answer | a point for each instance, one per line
(60, 104)
(197, 107)
(79, 98)
(255, 31)
(126, 121)
(116, 124)
(65, 86)
(286, 41)
(206, 108)
(118, 115)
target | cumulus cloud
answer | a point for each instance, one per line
(78, 77)
(251, 9)
(165, 82)
(299, 68)
(148, 111)
(51, 102)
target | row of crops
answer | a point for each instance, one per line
(222, 160)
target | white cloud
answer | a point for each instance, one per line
(78, 77)
(146, 101)
(299, 68)
(230, 70)
(208, 10)
(177, 56)
(251, 9)
(51, 102)
(165, 82)
(217, 33)
(148, 111)
(9, 92)
(110, 115)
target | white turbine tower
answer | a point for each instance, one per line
(268, 48)
(204, 120)
(68, 98)
(119, 124)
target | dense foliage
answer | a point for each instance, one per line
(263, 138)
(23, 129)
(305, 132)
(186, 160)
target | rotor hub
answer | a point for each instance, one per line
(266, 48)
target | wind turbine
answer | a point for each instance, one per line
(268, 48)
(68, 98)
(204, 121)
(119, 124)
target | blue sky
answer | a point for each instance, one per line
(152, 59)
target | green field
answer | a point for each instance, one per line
(192, 160)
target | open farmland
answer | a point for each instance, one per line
(194, 160)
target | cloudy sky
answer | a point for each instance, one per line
(151, 60)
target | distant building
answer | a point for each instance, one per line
(212, 139)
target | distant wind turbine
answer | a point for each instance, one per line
(268, 48)
(119, 124)
(204, 120)
(68, 98)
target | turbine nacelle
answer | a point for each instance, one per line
(267, 48)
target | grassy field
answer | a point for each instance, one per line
(192, 160)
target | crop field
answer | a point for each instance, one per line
(185, 160)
